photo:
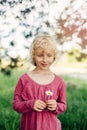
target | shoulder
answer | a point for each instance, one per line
(60, 80)
(24, 78)
(59, 77)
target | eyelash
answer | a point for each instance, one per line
(42, 55)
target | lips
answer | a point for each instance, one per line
(44, 65)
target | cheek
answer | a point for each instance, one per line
(51, 59)
(37, 59)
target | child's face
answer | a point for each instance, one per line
(43, 58)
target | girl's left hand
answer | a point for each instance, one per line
(51, 104)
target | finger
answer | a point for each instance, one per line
(37, 109)
(43, 103)
(40, 105)
(38, 102)
(50, 102)
(51, 109)
(51, 106)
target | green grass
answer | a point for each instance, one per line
(75, 118)
(9, 120)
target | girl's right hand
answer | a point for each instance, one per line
(39, 105)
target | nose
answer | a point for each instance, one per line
(44, 58)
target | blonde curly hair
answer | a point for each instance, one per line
(43, 42)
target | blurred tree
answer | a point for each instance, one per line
(21, 20)
(72, 25)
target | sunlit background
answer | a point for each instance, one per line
(22, 20)
(66, 22)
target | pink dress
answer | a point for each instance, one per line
(25, 94)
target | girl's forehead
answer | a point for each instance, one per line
(44, 50)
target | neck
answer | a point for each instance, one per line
(42, 71)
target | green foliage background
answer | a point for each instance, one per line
(75, 118)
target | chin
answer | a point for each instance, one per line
(44, 68)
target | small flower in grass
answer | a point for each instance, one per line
(48, 93)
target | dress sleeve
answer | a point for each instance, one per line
(18, 104)
(61, 101)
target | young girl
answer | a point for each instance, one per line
(40, 95)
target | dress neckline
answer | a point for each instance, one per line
(47, 84)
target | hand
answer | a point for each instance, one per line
(39, 105)
(51, 104)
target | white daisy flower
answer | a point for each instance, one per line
(49, 93)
